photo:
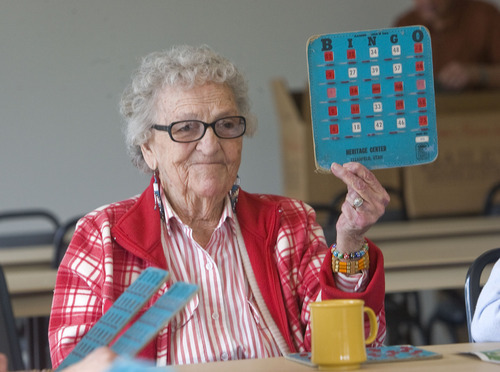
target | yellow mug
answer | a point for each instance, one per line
(338, 334)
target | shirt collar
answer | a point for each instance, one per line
(228, 214)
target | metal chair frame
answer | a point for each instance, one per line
(473, 286)
(32, 238)
(60, 240)
(9, 341)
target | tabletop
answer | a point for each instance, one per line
(434, 227)
(31, 288)
(33, 254)
(452, 360)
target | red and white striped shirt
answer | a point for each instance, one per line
(223, 321)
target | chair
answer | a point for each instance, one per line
(24, 228)
(492, 203)
(472, 287)
(34, 220)
(450, 312)
(62, 239)
(9, 340)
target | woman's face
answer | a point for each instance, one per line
(203, 169)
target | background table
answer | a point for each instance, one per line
(433, 253)
(31, 288)
(26, 255)
(418, 255)
(30, 278)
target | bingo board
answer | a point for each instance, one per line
(372, 98)
(378, 354)
(154, 319)
(126, 306)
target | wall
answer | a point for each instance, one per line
(64, 64)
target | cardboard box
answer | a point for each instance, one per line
(468, 162)
(301, 180)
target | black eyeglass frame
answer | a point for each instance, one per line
(168, 128)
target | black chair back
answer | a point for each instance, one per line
(473, 287)
(9, 339)
(30, 233)
(62, 239)
(492, 203)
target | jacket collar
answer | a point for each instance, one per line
(139, 230)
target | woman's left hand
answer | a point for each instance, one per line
(354, 222)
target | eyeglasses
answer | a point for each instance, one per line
(193, 130)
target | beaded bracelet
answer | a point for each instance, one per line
(355, 262)
(349, 256)
(351, 267)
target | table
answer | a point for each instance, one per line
(31, 288)
(30, 278)
(26, 255)
(451, 361)
(433, 253)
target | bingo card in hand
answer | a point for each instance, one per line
(372, 98)
(123, 310)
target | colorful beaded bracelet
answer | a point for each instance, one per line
(351, 267)
(349, 256)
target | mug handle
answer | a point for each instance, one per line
(373, 325)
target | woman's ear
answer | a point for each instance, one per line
(149, 156)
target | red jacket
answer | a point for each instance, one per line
(266, 222)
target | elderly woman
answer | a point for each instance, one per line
(259, 260)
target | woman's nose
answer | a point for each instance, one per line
(209, 141)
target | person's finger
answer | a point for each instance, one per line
(363, 182)
(351, 179)
(3, 363)
(365, 174)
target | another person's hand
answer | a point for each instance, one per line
(3, 363)
(457, 76)
(99, 360)
(354, 222)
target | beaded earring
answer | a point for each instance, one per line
(156, 190)
(233, 193)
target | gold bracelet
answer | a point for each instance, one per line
(350, 267)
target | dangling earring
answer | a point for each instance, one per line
(156, 190)
(233, 193)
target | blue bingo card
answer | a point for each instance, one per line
(154, 319)
(372, 98)
(117, 317)
(126, 306)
